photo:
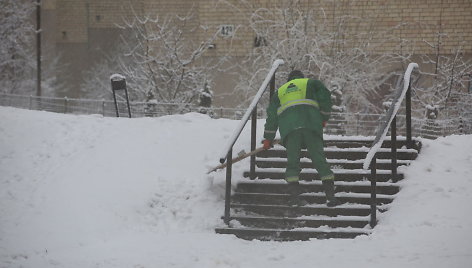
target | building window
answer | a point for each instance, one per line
(98, 18)
(227, 30)
(260, 41)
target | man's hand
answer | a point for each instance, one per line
(267, 144)
(324, 123)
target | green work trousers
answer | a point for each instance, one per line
(314, 144)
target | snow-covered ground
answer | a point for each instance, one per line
(88, 191)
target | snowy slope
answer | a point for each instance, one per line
(88, 191)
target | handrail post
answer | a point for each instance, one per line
(272, 87)
(373, 192)
(393, 146)
(409, 143)
(253, 143)
(228, 186)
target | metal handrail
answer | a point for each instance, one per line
(228, 152)
(390, 121)
(250, 109)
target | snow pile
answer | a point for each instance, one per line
(88, 191)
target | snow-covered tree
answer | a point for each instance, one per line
(161, 61)
(96, 83)
(167, 65)
(16, 47)
(437, 86)
(18, 52)
(306, 40)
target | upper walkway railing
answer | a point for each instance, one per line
(348, 124)
(107, 107)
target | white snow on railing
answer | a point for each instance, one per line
(115, 77)
(249, 110)
(392, 112)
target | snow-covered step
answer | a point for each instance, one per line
(292, 223)
(284, 210)
(339, 161)
(335, 163)
(345, 153)
(311, 198)
(315, 182)
(316, 186)
(259, 207)
(310, 174)
(339, 171)
(359, 141)
(294, 234)
(336, 218)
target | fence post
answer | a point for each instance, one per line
(30, 102)
(65, 105)
(103, 107)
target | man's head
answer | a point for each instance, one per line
(295, 74)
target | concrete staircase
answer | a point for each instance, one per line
(259, 207)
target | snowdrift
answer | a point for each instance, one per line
(87, 191)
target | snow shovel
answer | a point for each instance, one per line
(242, 156)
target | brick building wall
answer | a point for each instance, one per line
(84, 29)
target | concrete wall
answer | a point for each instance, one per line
(82, 30)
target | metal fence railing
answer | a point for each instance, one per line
(367, 125)
(352, 124)
(107, 107)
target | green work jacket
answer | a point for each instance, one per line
(299, 103)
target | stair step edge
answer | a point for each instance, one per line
(321, 194)
(305, 218)
(323, 229)
(282, 183)
(346, 206)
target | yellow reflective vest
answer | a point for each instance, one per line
(299, 103)
(293, 93)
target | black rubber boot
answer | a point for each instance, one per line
(328, 186)
(294, 191)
